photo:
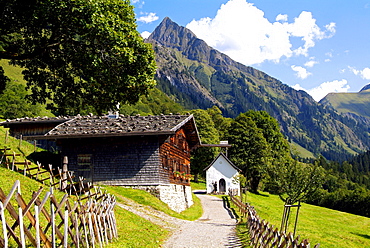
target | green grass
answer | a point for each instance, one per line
(328, 227)
(201, 185)
(134, 231)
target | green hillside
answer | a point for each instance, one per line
(328, 227)
(356, 103)
(13, 72)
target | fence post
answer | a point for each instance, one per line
(20, 141)
(4, 224)
(37, 226)
(21, 227)
(64, 177)
(52, 216)
(65, 229)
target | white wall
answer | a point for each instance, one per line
(221, 169)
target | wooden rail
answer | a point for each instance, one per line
(263, 234)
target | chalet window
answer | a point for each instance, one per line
(84, 161)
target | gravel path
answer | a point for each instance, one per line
(216, 227)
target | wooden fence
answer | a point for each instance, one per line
(263, 234)
(58, 178)
(49, 222)
(84, 217)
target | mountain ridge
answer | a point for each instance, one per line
(198, 76)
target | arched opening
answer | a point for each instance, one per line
(222, 185)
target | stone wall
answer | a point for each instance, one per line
(177, 197)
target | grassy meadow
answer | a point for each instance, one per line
(329, 228)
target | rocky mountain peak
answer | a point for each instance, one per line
(170, 34)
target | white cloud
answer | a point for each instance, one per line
(241, 31)
(322, 90)
(301, 72)
(145, 34)
(364, 73)
(148, 17)
(282, 18)
(311, 63)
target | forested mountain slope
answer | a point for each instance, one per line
(198, 76)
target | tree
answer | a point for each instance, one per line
(249, 151)
(77, 53)
(271, 131)
(294, 181)
(221, 123)
(203, 156)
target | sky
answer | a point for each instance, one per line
(319, 46)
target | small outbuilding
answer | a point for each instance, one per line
(220, 174)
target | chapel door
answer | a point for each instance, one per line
(222, 185)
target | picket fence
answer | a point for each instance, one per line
(263, 234)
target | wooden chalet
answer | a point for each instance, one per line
(125, 150)
(148, 152)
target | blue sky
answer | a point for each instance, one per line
(319, 46)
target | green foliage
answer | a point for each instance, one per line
(155, 103)
(203, 156)
(221, 123)
(78, 54)
(250, 151)
(341, 189)
(294, 181)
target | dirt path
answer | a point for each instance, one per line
(216, 227)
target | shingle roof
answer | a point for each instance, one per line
(38, 119)
(104, 126)
(122, 125)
